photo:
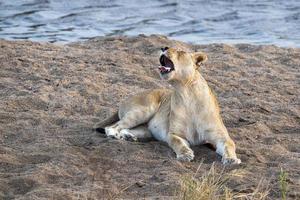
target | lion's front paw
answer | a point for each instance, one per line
(186, 155)
(230, 161)
(126, 135)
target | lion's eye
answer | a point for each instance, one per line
(180, 54)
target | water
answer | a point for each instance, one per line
(203, 21)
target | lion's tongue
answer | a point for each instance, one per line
(164, 69)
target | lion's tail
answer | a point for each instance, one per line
(100, 126)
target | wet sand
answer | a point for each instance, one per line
(52, 95)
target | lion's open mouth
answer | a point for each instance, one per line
(166, 65)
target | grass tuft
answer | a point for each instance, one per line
(212, 186)
(283, 183)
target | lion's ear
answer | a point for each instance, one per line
(199, 58)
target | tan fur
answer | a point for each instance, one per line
(186, 115)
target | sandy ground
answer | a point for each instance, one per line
(52, 95)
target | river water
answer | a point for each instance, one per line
(203, 21)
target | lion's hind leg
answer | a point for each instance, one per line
(139, 133)
(134, 112)
(131, 119)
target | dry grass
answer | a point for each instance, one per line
(212, 186)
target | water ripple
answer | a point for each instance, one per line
(198, 21)
(224, 17)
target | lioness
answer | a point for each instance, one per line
(186, 115)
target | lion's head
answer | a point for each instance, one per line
(177, 65)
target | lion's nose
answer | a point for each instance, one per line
(164, 49)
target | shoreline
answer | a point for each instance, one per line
(61, 43)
